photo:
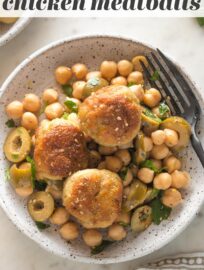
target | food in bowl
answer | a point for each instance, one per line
(8, 20)
(97, 157)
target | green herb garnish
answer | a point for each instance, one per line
(155, 76)
(159, 211)
(40, 185)
(164, 110)
(71, 105)
(150, 164)
(67, 90)
(33, 170)
(42, 226)
(7, 174)
(131, 84)
(101, 247)
(201, 21)
(10, 123)
(123, 173)
(65, 115)
(151, 115)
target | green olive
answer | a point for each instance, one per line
(135, 197)
(140, 154)
(141, 218)
(93, 85)
(17, 145)
(150, 121)
(181, 126)
(41, 206)
(21, 177)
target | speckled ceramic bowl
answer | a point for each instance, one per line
(9, 31)
(34, 75)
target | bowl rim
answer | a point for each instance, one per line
(15, 29)
(78, 258)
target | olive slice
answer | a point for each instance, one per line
(17, 145)
(93, 85)
(135, 197)
(141, 218)
(40, 206)
(21, 177)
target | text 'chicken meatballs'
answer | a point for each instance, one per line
(60, 150)
(93, 197)
(111, 116)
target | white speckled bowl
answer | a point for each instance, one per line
(34, 75)
(9, 31)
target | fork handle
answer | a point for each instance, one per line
(197, 147)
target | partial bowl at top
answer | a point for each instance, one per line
(9, 31)
(36, 74)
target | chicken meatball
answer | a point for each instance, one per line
(59, 150)
(93, 197)
(111, 116)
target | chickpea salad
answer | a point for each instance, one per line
(97, 156)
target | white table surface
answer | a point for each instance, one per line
(181, 38)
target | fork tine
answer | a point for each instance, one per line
(148, 74)
(179, 77)
(169, 99)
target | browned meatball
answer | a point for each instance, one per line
(111, 116)
(93, 197)
(59, 150)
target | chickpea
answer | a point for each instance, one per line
(113, 163)
(124, 155)
(29, 121)
(159, 151)
(162, 181)
(69, 231)
(80, 71)
(136, 77)
(124, 217)
(92, 238)
(119, 81)
(63, 74)
(93, 74)
(138, 91)
(156, 111)
(50, 96)
(152, 97)
(171, 137)
(157, 163)
(158, 137)
(60, 216)
(148, 144)
(78, 87)
(102, 165)
(171, 197)
(128, 178)
(31, 103)
(33, 139)
(14, 109)
(180, 179)
(116, 232)
(145, 175)
(106, 150)
(24, 191)
(108, 70)
(94, 159)
(125, 67)
(54, 110)
(55, 191)
(172, 163)
(136, 62)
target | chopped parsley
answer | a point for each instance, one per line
(151, 115)
(10, 123)
(67, 90)
(155, 76)
(41, 225)
(40, 185)
(164, 110)
(123, 173)
(65, 115)
(201, 21)
(33, 169)
(101, 247)
(150, 165)
(159, 211)
(71, 105)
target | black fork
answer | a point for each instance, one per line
(177, 92)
